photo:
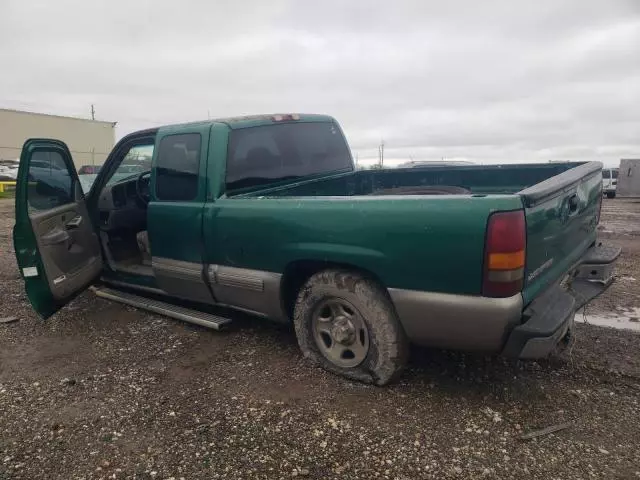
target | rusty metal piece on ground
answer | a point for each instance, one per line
(546, 431)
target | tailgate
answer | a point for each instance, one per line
(562, 215)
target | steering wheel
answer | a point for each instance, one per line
(142, 187)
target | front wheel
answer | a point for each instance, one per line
(611, 194)
(346, 324)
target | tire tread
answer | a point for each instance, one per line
(389, 347)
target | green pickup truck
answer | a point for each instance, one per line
(267, 214)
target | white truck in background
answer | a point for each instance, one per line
(609, 181)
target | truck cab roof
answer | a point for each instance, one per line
(247, 121)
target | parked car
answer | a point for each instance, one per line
(9, 169)
(49, 184)
(267, 214)
(609, 182)
(89, 169)
(135, 168)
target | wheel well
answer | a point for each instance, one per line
(297, 273)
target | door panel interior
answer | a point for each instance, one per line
(57, 250)
(68, 246)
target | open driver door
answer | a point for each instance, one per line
(57, 248)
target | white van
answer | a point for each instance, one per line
(609, 181)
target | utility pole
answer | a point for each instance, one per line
(381, 153)
(93, 112)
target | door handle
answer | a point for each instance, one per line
(74, 222)
(55, 237)
(573, 204)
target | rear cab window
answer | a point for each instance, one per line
(261, 155)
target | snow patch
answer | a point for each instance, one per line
(625, 319)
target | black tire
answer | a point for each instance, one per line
(388, 347)
(611, 194)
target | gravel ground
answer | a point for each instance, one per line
(621, 225)
(105, 391)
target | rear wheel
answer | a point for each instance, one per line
(346, 324)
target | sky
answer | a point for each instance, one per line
(490, 81)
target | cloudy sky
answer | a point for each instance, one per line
(485, 81)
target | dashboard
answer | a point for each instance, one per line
(121, 208)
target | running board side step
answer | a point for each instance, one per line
(180, 313)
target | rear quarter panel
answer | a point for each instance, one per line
(430, 244)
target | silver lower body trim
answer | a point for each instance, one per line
(182, 279)
(157, 291)
(246, 289)
(237, 277)
(462, 322)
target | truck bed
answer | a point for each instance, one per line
(424, 228)
(472, 179)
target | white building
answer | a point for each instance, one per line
(629, 178)
(90, 141)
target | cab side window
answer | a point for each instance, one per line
(49, 181)
(177, 167)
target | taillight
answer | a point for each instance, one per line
(504, 254)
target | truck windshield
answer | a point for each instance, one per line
(136, 161)
(270, 153)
